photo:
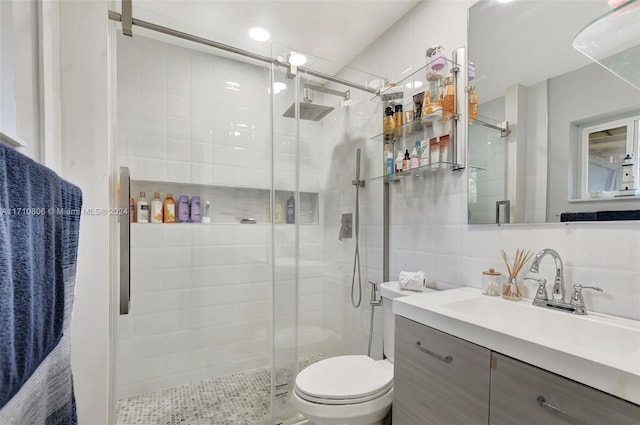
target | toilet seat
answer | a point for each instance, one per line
(344, 380)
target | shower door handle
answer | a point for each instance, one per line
(125, 240)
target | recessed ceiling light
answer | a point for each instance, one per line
(297, 59)
(259, 34)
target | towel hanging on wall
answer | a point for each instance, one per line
(39, 226)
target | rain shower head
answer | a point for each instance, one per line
(308, 111)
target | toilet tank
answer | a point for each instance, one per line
(389, 291)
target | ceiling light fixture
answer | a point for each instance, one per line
(297, 59)
(278, 86)
(259, 34)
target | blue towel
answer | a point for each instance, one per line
(39, 224)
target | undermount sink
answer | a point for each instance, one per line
(598, 350)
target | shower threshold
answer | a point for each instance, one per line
(242, 398)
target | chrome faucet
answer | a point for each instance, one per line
(558, 292)
(576, 304)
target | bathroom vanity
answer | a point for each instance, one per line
(464, 358)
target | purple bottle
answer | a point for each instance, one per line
(183, 208)
(196, 212)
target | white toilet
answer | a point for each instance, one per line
(351, 390)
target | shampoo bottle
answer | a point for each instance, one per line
(142, 215)
(183, 208)
(156, 208)
(291, 209)
(389, 162)
(169, 209)
(196, 209)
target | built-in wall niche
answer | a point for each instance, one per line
(234, 205)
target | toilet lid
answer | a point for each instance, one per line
(344, 380)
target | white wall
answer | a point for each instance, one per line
(85, 149)
(19, 71)
(429, 217)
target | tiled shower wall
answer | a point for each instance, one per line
(429, 216)
(201, 294)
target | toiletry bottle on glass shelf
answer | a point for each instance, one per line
(415, 155)
(169, 209)
(388, 160)
(406, 161)
(424, 152)
(183, 208)
(399, 160)
(436, 62)
(142, 214)
(291, 209)
(447, 97)
(473, 103)
(132, 210)
(388, 123)
(434, 150)
(398, 120)
(196, 209)
(445, 152)
(155, 209)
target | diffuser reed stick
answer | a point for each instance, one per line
(511, 290)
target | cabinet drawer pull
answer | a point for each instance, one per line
(446, 359)
(542, 403)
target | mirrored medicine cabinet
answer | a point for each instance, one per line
(553, 127)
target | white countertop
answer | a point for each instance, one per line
(598, 350)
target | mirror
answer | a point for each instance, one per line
(571, 123)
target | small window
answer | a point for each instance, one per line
(604, 147)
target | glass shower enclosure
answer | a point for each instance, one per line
(226, 308)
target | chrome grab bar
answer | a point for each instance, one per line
(446, 359)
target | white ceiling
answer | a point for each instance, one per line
(335, 30)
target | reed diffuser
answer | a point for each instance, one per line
(511, 290)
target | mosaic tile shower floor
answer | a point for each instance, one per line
(238, 399)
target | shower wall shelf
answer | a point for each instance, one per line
(422, 171)
(410, 130)
(232, 204)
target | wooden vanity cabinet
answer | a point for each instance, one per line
(433, 389)
(441, 379)
(524, 394)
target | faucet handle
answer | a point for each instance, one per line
(541, 293)
(577, 300)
